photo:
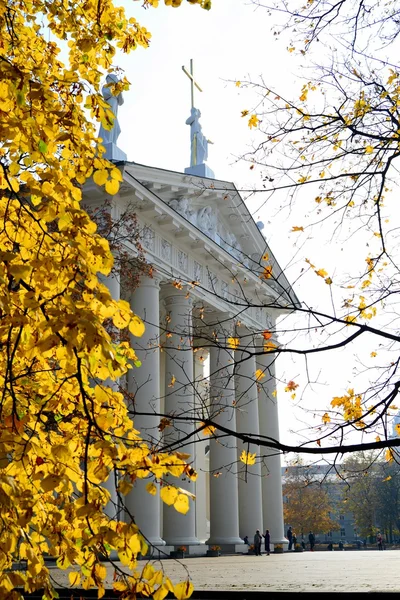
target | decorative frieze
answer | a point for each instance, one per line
(166, 250)
(148, 238)
(183, 261)
(198, 272)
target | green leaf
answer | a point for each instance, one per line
(42, 147)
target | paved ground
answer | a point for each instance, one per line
(357, 571)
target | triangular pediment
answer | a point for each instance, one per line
(205, 217)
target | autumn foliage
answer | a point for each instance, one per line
(307, 504)
(64, 427)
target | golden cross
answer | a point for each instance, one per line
(192, 80)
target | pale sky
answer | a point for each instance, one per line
(234, 41)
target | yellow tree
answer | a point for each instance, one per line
(64, 428)
(308, 506)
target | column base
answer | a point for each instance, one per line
(155, 542)
(224, 541)
(282, 541)
(182, 541)
(199, 550)
(157, 552)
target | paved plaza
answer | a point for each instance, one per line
(357, 571)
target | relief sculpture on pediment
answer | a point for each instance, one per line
(204, 218)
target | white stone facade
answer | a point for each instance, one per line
(205, 250)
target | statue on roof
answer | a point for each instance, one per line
(110, 136)
(198, 142)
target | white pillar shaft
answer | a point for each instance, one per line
(179, 529)
(249, 478)
(144, 385)
(271, 472)
(201, 392)
(224, 515)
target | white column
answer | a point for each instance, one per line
(224, 510)
(271, 471)
(247, 421)
(144, 385)
(202, 401)
(179, 529)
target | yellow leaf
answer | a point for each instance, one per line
(373, 354)
(101, 571)
(50, 482)
(388, 478)
(183, 590)
(124, 486)
(253, 121)
(74, 578)
(181, 504)
(172, 382)
(389, 455)
(168, 494)
(238, 83)
(209, 430)
(369, 150)
(350, 319)
(259, 374)
(233, 342)
(326, 418)
(136, 326)
(296, 228)
(291, 386)
(245, 113)
(112, 186)
(269, 346)
(100, 177)
(397, 428)
(116, 174)
(321, 273)
(328, 281)
(151, 488)
(248, 458)
(160, 593)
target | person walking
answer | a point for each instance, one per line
(294, 540)
(267, 538)
(379, 541)
(311, 539)
(257, 543)
(289, 536)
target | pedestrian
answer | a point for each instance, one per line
(379, 541)
(267, 538)
(303, 544)
(257, 543)
(311, 539)
(246, 539)
(294, 540)
(289, 536)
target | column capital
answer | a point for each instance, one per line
(176, 295)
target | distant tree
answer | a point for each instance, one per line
(308, 506)
(372, 494)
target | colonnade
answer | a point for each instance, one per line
(242, 498)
